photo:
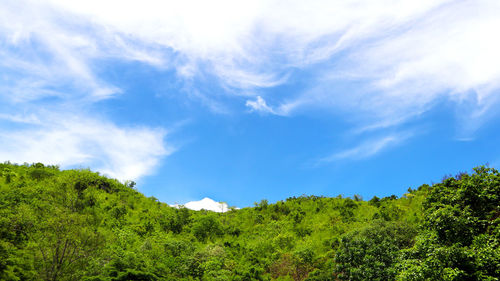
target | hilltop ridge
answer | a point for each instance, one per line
(79, 225)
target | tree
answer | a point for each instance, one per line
(460, 239)
(63, 244)
(206, 227)
(371, 253)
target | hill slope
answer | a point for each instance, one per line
(78, 225)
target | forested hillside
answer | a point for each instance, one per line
(78, 225)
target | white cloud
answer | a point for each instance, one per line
(20, 118)
(41, 53)
(239, 40)
(123, 153)
(204, 204)
(368, 148)
(399, 71)
(259, 104)
(48, 59)
(406, 54)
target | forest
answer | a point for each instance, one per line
(79, 225)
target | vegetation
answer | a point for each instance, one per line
(78, 225)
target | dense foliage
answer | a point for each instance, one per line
(78, 225)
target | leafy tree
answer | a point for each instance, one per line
(461, 236)
(371, 253)
(206, 227)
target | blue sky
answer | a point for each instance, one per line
(245, 100)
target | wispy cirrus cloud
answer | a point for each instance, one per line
(126, 153)
(244, 43)
(448, 51)
(368, 148)
(259, 105)
(48, 60)
(409, 55)
(39, 55)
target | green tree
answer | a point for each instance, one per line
(371, 253)
(461, 236)
(207, 227)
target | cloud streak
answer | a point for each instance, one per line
(123, 153)
(368, 148)
(259, 105)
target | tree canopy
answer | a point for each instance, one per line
(79, 225)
